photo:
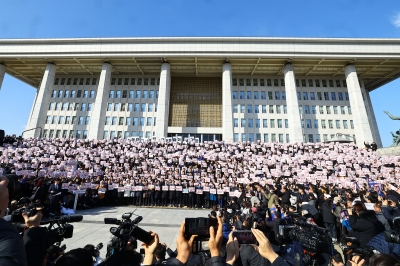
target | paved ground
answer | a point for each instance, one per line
(164, 221)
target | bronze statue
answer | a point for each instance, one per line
(396, 137)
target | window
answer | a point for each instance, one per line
(269, 82)
(124, 94)
(351, 124)
(67, 120)
(280, 136)
(241, 82)
(83, 107)
(146, 81)
(307, 109)
(63, 106)
(345, 126)
(277, 97)
(234, 82)
(308, 122)
(310, 138)
(305, 96)
(287, 138)
(89, 106)
(48, 119)
(135, 121)
(51, 106)
(286, 123)
(317, 83)
(244, 137)
(317, 138)
(136, 108)
(87, 121)
(111, 94)
(278, 109)
(297, 83)
(346, 95)
(251, 137)
(330, 123)
(149, 121)
(263, 95)
(326, 96)
(114, 120)
(116, 107)
(325, 136)
(235, 108)
(256, 95)
(81, 80)
(91, 94)
(155, 118)
(150, 107)
(310, 83)
(137, 94)
(337, 124)
(303, 83)
(85, 94)
(284, 96)
(126, 81)
(249, 109)
(151, 94)
(324, 83)
(335, 110)
(342, 111)
(265, 123)
(144, 95)
(282, 82)
(248, 83)
(243, 122)
(72, 94)
(258, 136)
(234, 95)
(255, 83)
(126, 134)
(321, 110)
(338, 83)
(119, 81)
(62, 81)
(270, 95)
(51, 135)
(266, 138)
(272, 123)
(235, 122)
(331, 83)
(75, 82)
(236, 137)
(285, 109)
(298, 96)
(323, 124)
(264, 109)
(139, 81)
(143, 108)
(273, 137)
(250, 123)
(107, 122)
(257, 123)
(315, 123)
(76, 107)
(128, 121)
(70, 106)
(319, 96)
(344, 83)
(109, 107)
(132, 81)
(248, 95)
(312, 96)
(56, 81)
(118, 94)
(314, 109)
(112, 134)
(262, 82)
(300, 109)
(276, 83)
(333, 96)
(328, 110)
(271, 109)
(349, 110)
(80, 120)
(141, 121)
(60, 94)
(340, 96)
(123, 107)
(64, 134)
(66, 94)
(94, 81)
(131, 94)
(280, 125)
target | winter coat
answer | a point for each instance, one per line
(365, 226)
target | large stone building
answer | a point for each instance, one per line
(234, 89)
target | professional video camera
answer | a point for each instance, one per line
(393, 236)
(351, 247)
(314, 240)
(127, 231)
(54, 252)
(60, 228)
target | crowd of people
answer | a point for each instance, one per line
(349, 191)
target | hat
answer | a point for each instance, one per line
(327, 196)
(254, 209)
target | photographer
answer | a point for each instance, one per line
(95, 252)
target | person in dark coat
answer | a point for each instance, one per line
(364, 223)
(285, 197)
(55, 189)
(164, 195)
(328, 217)
(157, 193)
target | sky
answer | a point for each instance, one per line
(123, 18)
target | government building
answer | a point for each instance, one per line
(211, 88)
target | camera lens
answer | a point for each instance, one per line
(13, 186)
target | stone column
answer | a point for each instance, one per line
(39, 112)
(163, 101)
(97, 120)
(292, 103)
(362, 128)
(2, 72)
(227, 113)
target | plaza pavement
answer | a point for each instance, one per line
(163, 221)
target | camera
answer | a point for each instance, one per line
(60, 228)
(31, 210)
(13, 186)
(98, 247)
(393, 236)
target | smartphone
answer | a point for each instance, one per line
(244, 237)
(199, 246)
(199, 227)
(344, 215)
(142, 235)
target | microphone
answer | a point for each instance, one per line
(65, 219)
(137, 220)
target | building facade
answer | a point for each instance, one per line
(232, 89)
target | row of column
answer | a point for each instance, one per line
(365, 126)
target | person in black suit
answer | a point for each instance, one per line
(55, 189)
